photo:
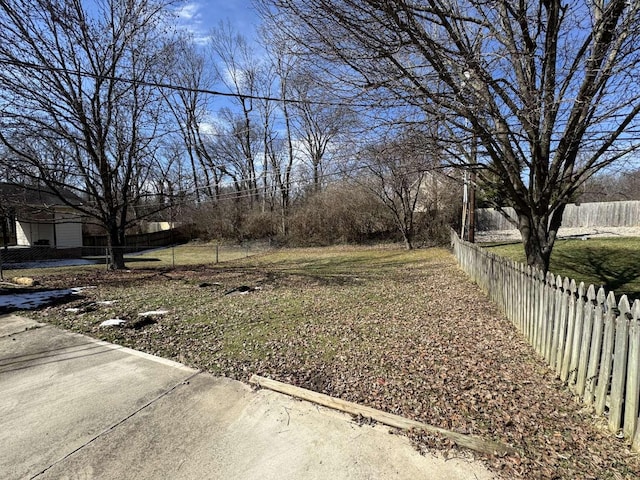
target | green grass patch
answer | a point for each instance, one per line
(613, 263)
(302, 298)
(191, 254)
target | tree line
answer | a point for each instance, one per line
(347, 120)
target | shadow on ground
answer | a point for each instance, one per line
(607, 267)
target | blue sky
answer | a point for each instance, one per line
(200, 15)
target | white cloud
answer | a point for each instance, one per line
(189, 12)
(192, 19)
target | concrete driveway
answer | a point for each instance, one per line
(73, 407)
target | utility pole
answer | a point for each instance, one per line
(472, 189)
(465, 204)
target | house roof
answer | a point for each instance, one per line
(36, 196)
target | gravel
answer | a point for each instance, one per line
(584, 233)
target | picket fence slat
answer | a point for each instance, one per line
(585, 346)
(595, 353)
(619, 374)
(549, 295)
(632, 399)
(562, 334)
(556, 321)
(542, 312)
(589, 340)
(577, 334)
(567, 333)
(606, 360)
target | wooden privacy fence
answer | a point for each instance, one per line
(590, 340)
(597, 214)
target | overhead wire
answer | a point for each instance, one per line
(219, 93)
(172, 86)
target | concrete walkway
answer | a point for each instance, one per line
(73, 407)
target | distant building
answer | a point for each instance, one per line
(36, 216)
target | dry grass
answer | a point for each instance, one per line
(405, 332)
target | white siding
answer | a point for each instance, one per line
(29, 233)
(68, 230)
(154, 227)
(23, 234)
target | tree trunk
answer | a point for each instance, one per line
(407, 235)
(115, 249)
(539, 235)
(5, 232)
(408, 244)
(284, 214)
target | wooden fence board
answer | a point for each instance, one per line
(559, 320)
(540, 307)
(585, 347)
(595, 352)
(535, 304)
(562, 332)
(596, 214)
(606, 359)
(632, 399)
(577, 336)
(567, 335)
(548, 320)
(619, 374)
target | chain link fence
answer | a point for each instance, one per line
(15, 261)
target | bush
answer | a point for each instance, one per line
(342, 213)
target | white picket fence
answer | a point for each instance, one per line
(590, 340)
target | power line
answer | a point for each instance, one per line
(247, 96)
(171, 86)
(251, 192)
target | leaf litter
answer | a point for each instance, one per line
(406, 333)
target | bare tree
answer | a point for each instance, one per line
(548, 88)
(282, 151)
(78, 111)
(268, 111)
(612, 186)
(190, 107)
(319, 121)
(397, 169)
(237, 68)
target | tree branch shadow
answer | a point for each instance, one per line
(612, 269)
